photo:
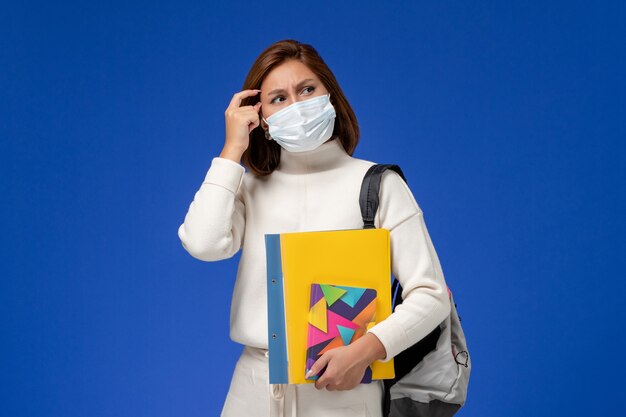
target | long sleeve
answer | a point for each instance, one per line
(415, 264)
(214, 225)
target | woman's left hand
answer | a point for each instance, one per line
(345, 365)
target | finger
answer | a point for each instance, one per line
(319, 364)
(322, 382)
(252, 109)
(237, 97)
(325, 379)
(246, 113)
(253, 124)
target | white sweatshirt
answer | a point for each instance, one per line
(308, 191)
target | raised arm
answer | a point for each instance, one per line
(415, 264)
(215, 222)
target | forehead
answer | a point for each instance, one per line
(286, 75)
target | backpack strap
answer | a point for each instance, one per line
(369, 201)
(370, 187)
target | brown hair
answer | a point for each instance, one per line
(262, 155)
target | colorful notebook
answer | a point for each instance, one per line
(297, 260)
(338, 315)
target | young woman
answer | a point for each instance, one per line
(295, 131)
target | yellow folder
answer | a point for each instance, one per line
(352, 257)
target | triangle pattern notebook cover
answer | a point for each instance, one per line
(338, 315)
(297, 260)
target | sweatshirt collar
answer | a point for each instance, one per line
(326, 156)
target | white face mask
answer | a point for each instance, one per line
(303, 125)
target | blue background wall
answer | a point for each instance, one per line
(507, 117)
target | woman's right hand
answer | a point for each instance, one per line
(240, 121)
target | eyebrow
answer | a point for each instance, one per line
(280, 90)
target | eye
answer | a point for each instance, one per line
(305, 88)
